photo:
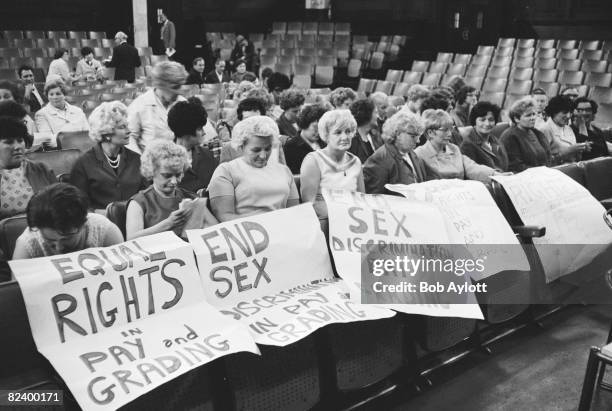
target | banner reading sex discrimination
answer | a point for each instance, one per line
(117, 322)
(575, 229)
(272, 273)
(472, 218)
(383, 222)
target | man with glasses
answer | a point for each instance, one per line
(33, 95)
(582, 124)
(125, 59)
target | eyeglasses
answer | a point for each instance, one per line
(443, 129)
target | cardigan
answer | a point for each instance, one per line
(525, 148)
(452, 164)
(494, 157)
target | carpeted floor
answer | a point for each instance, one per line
(535, 369)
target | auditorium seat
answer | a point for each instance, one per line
(16, 62)
(420, 66)
(523, 62)
(8, 53)
(597, 175)
(521, 73)
(589, 44)
(546, 75)
(456, 69)
(480, 60)
(366, 85)
(59, 161)
(444, 57)
(476, 70)
(602, 95)
(69, 43)
(546, 53)
(35, 34)
(503, 52)
(401, 89)
(324, 75)
(592, 55)
(592, 66)
(506, 42)
(511, 98)
(310, 27)
(431, 79)
(12, 34)
(283, 68)
(566, 44)
(550, 88)
(545, 44)
(23, 43)
(302, 81)
(437, 67)
(90, 43)
(485, 50)
(571, 78)
(77, 35)
(524, 43)
(598, 79)
(567, 54)
(494, 85)
(440, 333)
(10, 229)
(46, 43)
(493, 97)
(107, 43)
(568, 65)
(498, 72)
(462, 59)
(524, 52)
(394, 75)
(474, 81)
(4, 64)
(8, 74)
(521, 87)
(412, 77)
(604, 115)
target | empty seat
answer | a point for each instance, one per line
(366, 85)
(462, 59)
(573, 78)
(474, 81)
(523, 62)
(302, 81)
(546, 75)
(35, 53)
(481, 60)
(107, 43)
(79, 140)
(23, 43)
(294, 27)
(566, 44)
(279, 27)
(325, 61)
(592, 55)
(12, 34)
(598, 79)
(43, 62)
(77, 35)
(522, 87)
(8, 53)
(284, 59)
(568, 65)
(550, 88)
(401, 89)
(420, 65)
(342, 28)
(8, 74)
(412, 77)
(60, 161)
(69, 43)
(456, 69)
(604, 115)
(310, 27)
(602, 95)
(437, 67)
(494, 85)
(511, 99)
(592, 66)
(545, 44)
(504, 51)
(324, 75)
(376, 62)
(498, 72)
(523, 43)
(90, 43)
(307, 52)
(431, 79)
(34, 34)
(567, 54)
(506, 42)
(384, 86)
(493, 97)
(546, 53)
(394, 75)
(46, 43)
(485, 50)
(476, 70)
(589, 45)
(16, 62)
(444, 57)
(524, 52)
(309, 60)
(520, 73)
(547, 63)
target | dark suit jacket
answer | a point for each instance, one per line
(203, 165)
(125, 60)
(597, 137)
(295, 151)
(286, 128)
(94, 176)
(31, 100)
(524, 151)
(362, 149)
(195, 78)
(496, 158)
(211, 78)
(386, 166)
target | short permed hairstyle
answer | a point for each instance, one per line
(162, 150)
(55, 83)
(335, 119)
(310, 114)
(168, 74)
(278, 82)
(340, 95)
(362, 110)
(402, 121)
(86, 50)
(264, 96)
(105, 118)
(12, 87)
(243, 87)
(59, 53)
(10, 126)
(559, 104)
(433, 119)
(461, 95)
(60, 206)
(185, 117)
(291, 98)
(435, 102)
(256, 126)
(481, 109)
(519, 107)
(594, 105)
(417, 92)
(251, 104)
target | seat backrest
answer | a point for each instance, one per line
(597, 174)
(575, 171)
(116, 212)
(420, 65)
(412, 77)
(10, 229)
(75, 139)
(60, 161)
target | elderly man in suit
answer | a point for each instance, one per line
(218, 75)
(168, 34)
(33, 95)
(395, 162)
(125, 59)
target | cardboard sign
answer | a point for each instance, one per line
(471, 217)
(572, 216)
(117, 322)
(272, 273)
(357, 219)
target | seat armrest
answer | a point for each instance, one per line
(529, 231)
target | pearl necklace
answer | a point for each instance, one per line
(113, 163)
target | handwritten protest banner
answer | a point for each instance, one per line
(272, 273)
(471, 217)
(357, 219)
(572, 216)
(117, 322)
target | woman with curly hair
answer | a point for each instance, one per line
(108, 171)
(291, 101)
(251, 184)
(342, 97)
(164, 205)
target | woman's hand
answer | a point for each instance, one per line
(176, 219)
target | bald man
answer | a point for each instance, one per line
(125, 59)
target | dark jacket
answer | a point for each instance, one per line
(597, 137)
(295, 151)
(31, 100)
(286, 127)
(125, 60)
(496, 158)
(211, 78)
(525, 148)
(39, 175)
(195, 78)
(203, 165)
(363, 149)
(386, 166)
(95, 177)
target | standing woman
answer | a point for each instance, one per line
(108, 172)
(526, 146)
(333, 166)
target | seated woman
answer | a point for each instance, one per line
(186, 119)
(10, 92)
(59, 69)
(251, 184)
(559, 133)
(57, 115)
(88, 68)
(307, 140)
(162, 206)
(395, 162)
(333, 166)
(11, 108)
(108, 171)
(241, 71)
(367, 140)
(480, 145)
(342, 97)
(526, 147)
(291, 101)
(444, 157)
(20, 178)
(465, 98)
(58, 223)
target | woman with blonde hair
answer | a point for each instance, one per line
(108, 171)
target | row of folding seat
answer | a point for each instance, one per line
(549, 44)
(54, 43)
(39, 34)
(299, 28)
